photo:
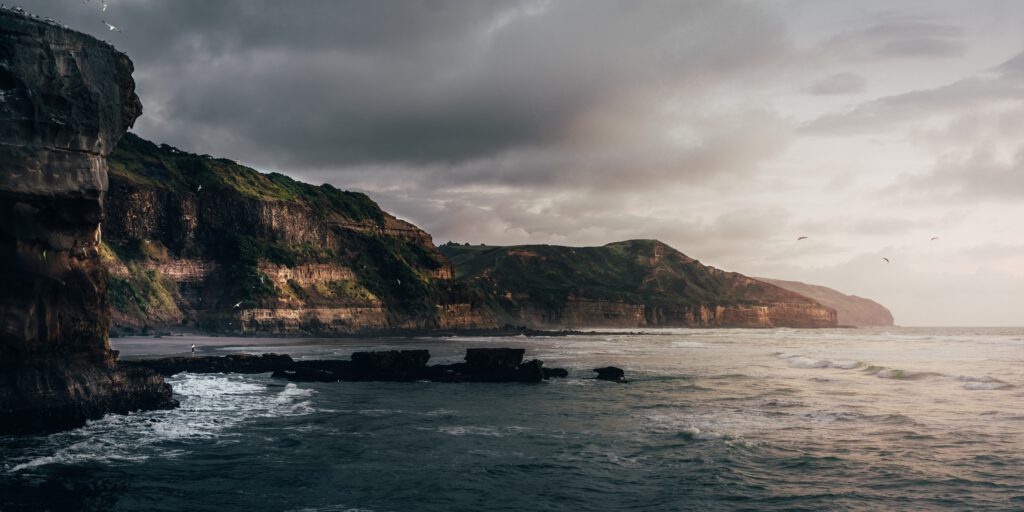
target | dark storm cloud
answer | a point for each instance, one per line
(327, 84)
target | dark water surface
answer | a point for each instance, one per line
(897, 419)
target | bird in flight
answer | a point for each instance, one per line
(111, 27)
(104, 4)
(886, 260)
(934, 238)
(239, 303)
(801, 238)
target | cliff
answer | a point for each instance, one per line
(203, 242)
(200, 242)
(851, 310)
(65, 101)
(636, 283)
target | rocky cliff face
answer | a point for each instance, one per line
(207, 243)
(637, 283)
(851, 310)
(65, 101)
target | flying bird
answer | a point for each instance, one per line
(934, 238)
(801, 238)
(399, 282)
(104, 3)
(886, 260)
(238, 304)
(111, 27)
(200, 187)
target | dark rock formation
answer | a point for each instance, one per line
(485, 359)
(390, 360)
(851, 310)
(232, 363)
(555, 373)
(65, 101)
(483, 365)
(611, 373)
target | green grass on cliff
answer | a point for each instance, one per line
(634, 271)
(146, 163)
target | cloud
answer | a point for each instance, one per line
(331, 84)
(893, 36)
(992, 89)
(841, 83)
(978, 174)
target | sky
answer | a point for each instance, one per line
(726, 129)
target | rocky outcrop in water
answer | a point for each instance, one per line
(65, 101)
(851, 310)
(482, 365)
(611, 373)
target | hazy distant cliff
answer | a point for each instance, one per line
(636, 283)
(65, 101)
(851, 309)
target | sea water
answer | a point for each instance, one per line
(846, 419)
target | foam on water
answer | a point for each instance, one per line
(210, 405)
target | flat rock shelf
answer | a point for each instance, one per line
(481, 365)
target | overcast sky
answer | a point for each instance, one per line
(726, 129)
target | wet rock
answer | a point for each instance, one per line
(490, 365)
(486, 359)
(390, 360)
(611, 373)
(66, 99)
(232, 363)
(555, 373)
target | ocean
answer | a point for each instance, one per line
(844, 419)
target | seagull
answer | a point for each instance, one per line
(886, 260)
(238, 304)
(399, 282)
(200, 187)
(104, 3)
(934, 238)
(801, 238)
(111, 27)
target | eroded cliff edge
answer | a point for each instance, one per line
(66, 99)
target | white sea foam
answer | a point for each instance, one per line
(464, 430)
(984, 382)
(687, 344)
(798, 361)
(210, 405)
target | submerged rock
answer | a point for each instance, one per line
(66, 99)
(611, 373)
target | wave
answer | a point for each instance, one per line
(970, 382)
(798, 361)
(465, 430)
(210, 405)
(974, 383)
